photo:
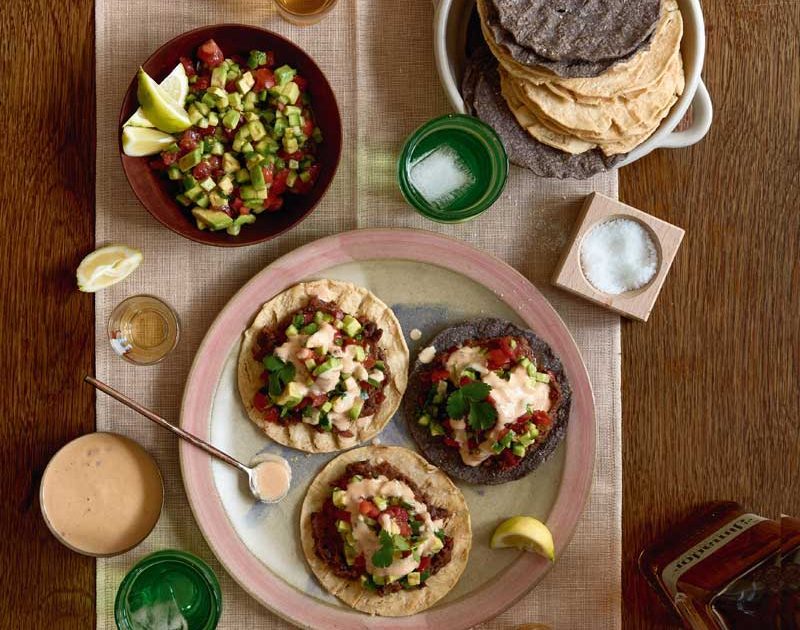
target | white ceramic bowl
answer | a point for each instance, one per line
(450, 35)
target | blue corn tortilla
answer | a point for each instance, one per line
(448, 458)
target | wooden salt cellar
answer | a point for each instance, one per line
(635, 304)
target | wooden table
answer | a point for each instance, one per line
(710, 400)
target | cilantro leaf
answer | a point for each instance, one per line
(385, 554)
(400, 543)
(482, 415)
(456, 405)
(475, 391)
(273, 363)
(280, 374)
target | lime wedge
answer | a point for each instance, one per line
(175, 86)
(158, 108)
(106, 266)
(526, 533)
(139, 141)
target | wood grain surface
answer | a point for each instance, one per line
(710, 400)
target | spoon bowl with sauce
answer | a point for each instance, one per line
(269, 476)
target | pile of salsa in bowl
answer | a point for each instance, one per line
(263, 143)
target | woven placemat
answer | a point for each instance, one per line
(378, 55)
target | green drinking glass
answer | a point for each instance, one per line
(453, 168)
(169, 589)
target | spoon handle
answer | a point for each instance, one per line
(192, 439)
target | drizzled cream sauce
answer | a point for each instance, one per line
(367, 541)
(272, 477)
(101, 494)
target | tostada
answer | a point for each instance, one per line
(491, 405)
(323, 366)
(384, 531)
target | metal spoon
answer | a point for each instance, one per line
(192, 439)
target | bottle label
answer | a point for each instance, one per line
(702, 550)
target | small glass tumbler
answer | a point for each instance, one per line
(169, 589)
(143, 330)
(304, 12)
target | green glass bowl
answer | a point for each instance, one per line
(166, 584)
(479, 150)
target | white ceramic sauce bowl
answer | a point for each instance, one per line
(451, 19)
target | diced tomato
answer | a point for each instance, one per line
(464, 380)
(265, 79)
(169, 157)
(188, 66)
(297, 155)
(497, 359)
(405, 529)
(542, 420)
(369, 363)
(424, 563)
(260, 401)
(237, 203)
(268, 171)
(208, 131)
(202, 170)
(505, 346)
(301, 82)
(318, 401)
(439, 375)
(450, 442)
(214, 161)
(308, 126)
(201, 84)
(210, 54)
(303, 187)
(279, 182)
(343, 433)
(157, 165)
(189, 140)
(273, 203)
(508, 459)
(230, 86)
(360, 563)
(272, 415)
(368, 508)
(399, 514)
(305, 353)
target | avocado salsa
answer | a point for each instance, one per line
(376, 526)
(322, 367)
(488, 401)
(253, 139)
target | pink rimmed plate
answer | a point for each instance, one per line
(430, 281)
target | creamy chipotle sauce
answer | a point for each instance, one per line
(272, 477)
(101, 494)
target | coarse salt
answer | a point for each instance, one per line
(618, 256)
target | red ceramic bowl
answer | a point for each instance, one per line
(152, 189)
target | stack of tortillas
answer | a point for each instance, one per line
(573, 85)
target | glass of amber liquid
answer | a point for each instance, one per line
(304, 12)
(143, 330)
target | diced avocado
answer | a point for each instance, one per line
(310, 364)
(189, 182)
(507, 439)
(257, 177)
(229, 163)
(316, 135)
(355, 410)
(267, 146)
(208, 98)
(351, 326)
(256, 58)
(202, 123)
(250, 116)
(339, 499)
(378, 579)
(246, 83)
(217, 92)
(174, 173)
(326, 407)
(217, 200)
(214, 219)
(208, 184)
(183, 200)
(233, 229)
(380, 503)
(291, 92)
(202, 201)
(219, 76)
(413, 578)
(255, 205)
(257, 130)
(203, 108)
(235, 100)
(250, 192)
(524, 440)
(436, 429)
(254, 159)
(292, 109)
(284, 74)
(350, 555)
(217, 148)
(498, 448)
(291, 178)
(294, 120)
(320, 317)
(290, 145)
(424, 420)
(231, 119)
(194, 114)
(331, 364)
(242, 176)
(190, 160)
(247, 147)
(294, 164)
(244, 219)
(310, 329)
(249, 102)
(360, 353)
(279, 127)
(194, 193)
(518, 450)
(542, 377)
(225, 184)
(291, 396)
(437, 545)
(291, 331)
(533, 431)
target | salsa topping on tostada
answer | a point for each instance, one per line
(322, 367)
(376, 526)
(488, 400)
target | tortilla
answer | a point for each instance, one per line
(626, 78)
(526, 56)
(351, 299)
(447, 458)
(579, 30)
(482, 85)
(439, 490)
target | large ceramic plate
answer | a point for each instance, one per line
(430, 281)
